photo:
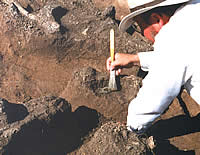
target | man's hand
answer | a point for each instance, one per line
(122, 61)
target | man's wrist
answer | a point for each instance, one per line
(135, 60)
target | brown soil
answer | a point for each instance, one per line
(71, 64)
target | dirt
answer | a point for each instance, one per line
(70, 64)
(112, 139)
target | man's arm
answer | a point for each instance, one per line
(146, 59)
(143, 59)
(160, 87)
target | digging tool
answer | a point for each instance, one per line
(112, 81)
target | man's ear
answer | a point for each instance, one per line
(156, 19)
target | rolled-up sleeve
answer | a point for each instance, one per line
(160, 87)
(146, 59)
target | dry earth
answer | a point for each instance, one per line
(70, 63)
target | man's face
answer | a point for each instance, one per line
(151, 26)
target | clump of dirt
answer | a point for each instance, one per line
(91, 79)
(113, 138)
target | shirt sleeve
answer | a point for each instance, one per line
(146, 59)
(160, 87)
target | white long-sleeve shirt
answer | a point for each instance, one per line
(174, 62)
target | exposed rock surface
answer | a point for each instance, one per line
(23, 124)
(113, 138)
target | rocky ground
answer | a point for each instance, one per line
(43, 63)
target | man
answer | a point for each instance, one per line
(173, 63)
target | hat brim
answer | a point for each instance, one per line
(127, 20)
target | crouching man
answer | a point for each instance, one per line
(174, 28)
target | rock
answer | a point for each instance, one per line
(109, 12)
(26, 124)
(120, 7)
(44, 18)
(90, 79)
(114, 138)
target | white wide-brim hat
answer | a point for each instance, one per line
(140, 6)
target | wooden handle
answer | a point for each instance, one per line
(112, 42)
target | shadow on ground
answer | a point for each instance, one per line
(61, 135)
(173, 127)
(14, 112)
